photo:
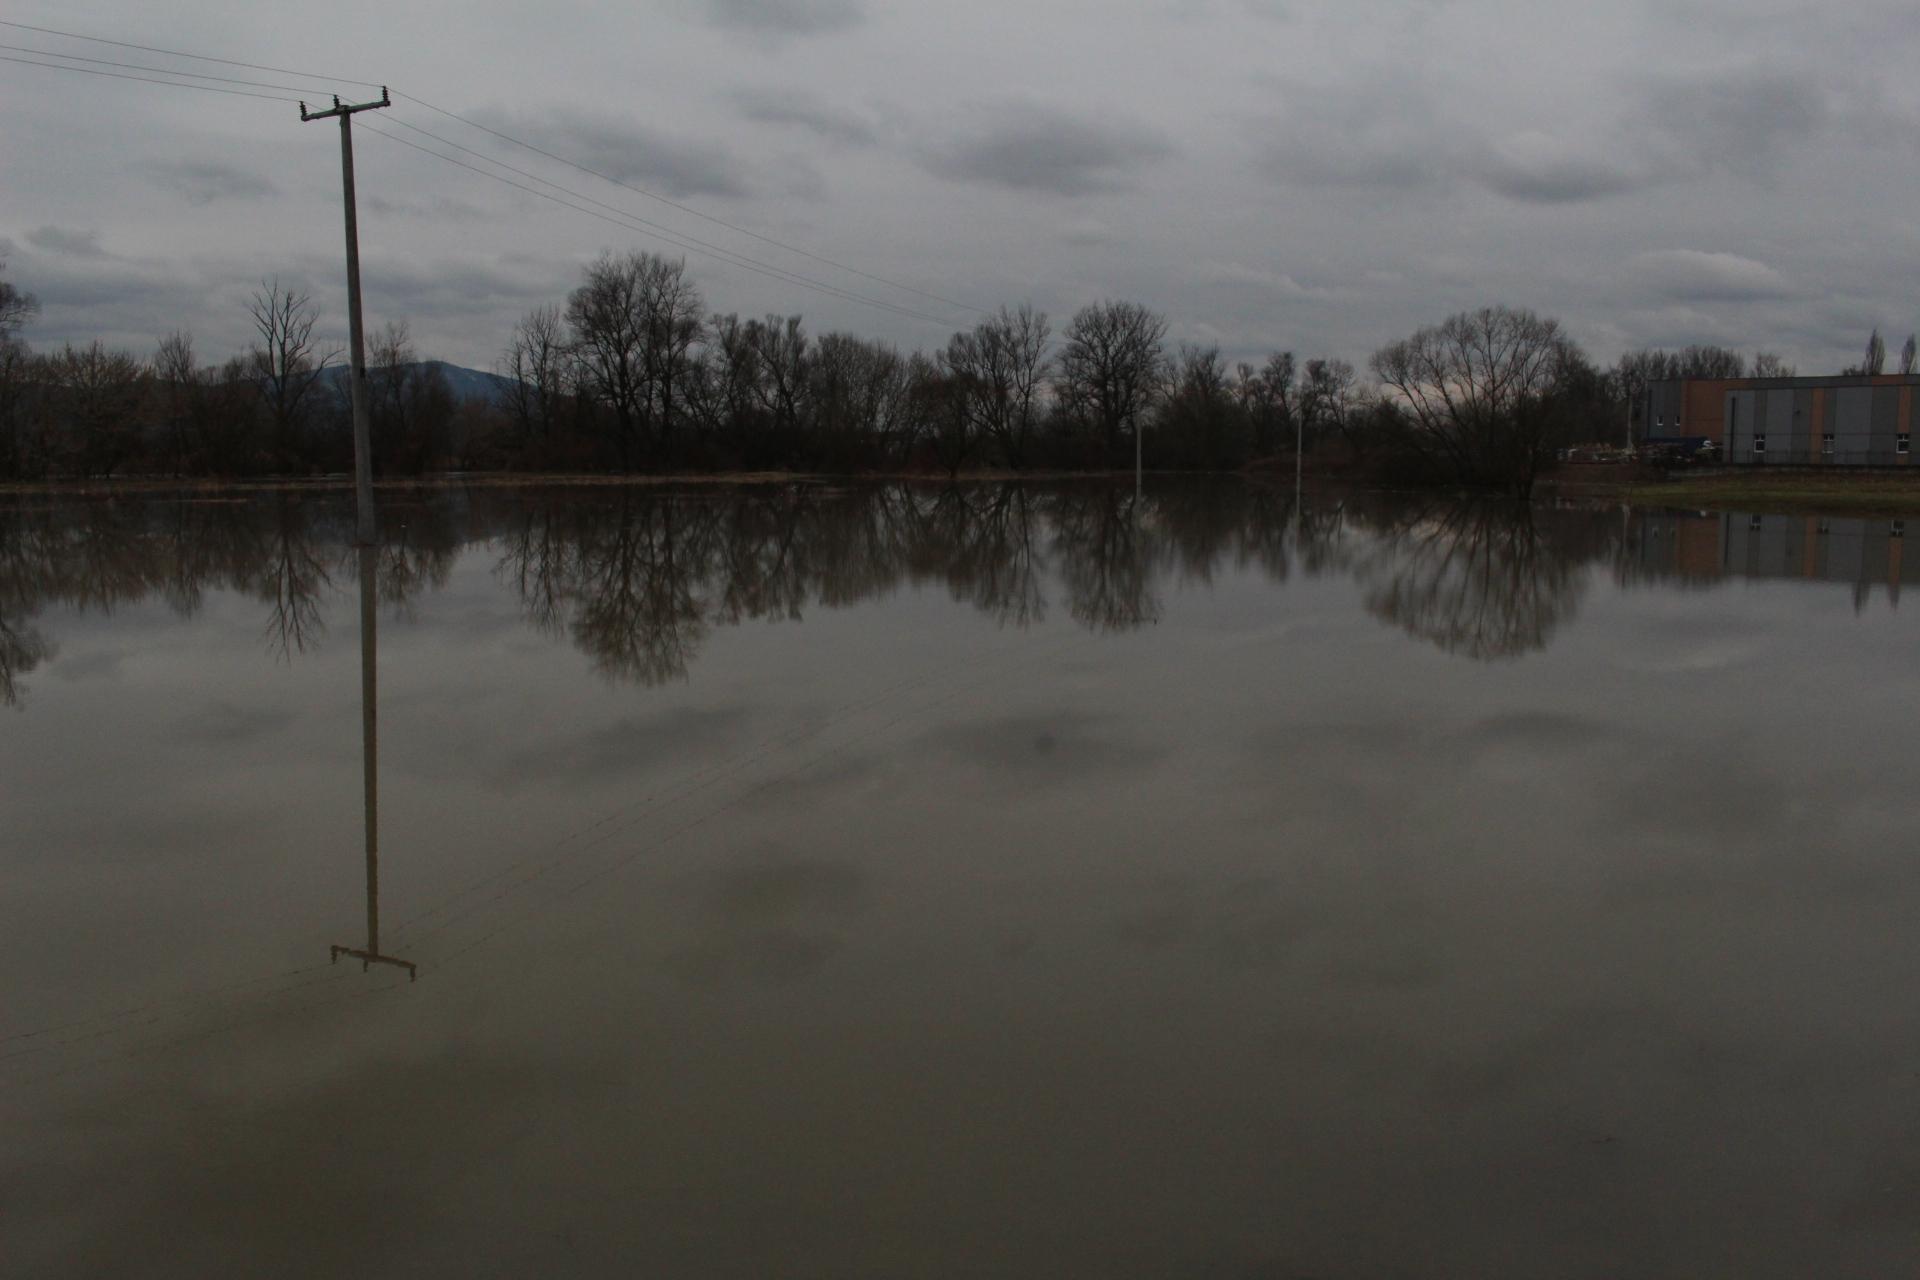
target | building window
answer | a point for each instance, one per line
(1753, 523)
(1900, 443)
(1826, 444)
(1759, 445)
(1823, 528)
(1898, 529)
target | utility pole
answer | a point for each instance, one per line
(357, 377)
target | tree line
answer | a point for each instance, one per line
(632, 373)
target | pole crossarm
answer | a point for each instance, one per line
(340, 108)
(366, 958)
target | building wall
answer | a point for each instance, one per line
(1866, 418)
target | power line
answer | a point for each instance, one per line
(89, 71)
(188, 75)
(628, 222)
(176, 53)
(689, 209)
(666, 231)
(751, 264)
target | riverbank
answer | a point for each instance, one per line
(1863, 493)
(212, 487)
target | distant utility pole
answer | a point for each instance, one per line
(357, 380)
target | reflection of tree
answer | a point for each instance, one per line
(1477, 579)
(290, 579)
(1105, 558)
(536, 563)
(21, 650)
(639, 617)
(989, 539)
(638, 580)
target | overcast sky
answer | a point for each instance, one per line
(1321, 177)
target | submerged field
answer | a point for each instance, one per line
(879, 880)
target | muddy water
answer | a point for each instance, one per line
(994, 882)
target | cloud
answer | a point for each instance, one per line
(204, 181)
(1265, 280)
(630, 152)
(1087, 232)
(784, 19)
(74, 244)
(1032, 148)
(1385, 134)
(798, 108)
(1738, 121)
(1696, 275)
(1540, 168)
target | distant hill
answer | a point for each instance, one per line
(465, 383)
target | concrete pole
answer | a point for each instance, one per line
(357, 376)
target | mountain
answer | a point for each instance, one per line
(465, 383)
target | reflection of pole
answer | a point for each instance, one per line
(370, 766)
(1298, 443)
(1138, 473)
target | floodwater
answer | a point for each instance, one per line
(877, 882)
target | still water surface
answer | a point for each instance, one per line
(807, 881)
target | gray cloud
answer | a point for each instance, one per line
(74, 244)
(785, 18)
(1388, 167)
(1538, 168)
(1386, 135)
(1043, 149)
(1740, 120)
(619, 147)
(204, 181)
(1696, 275)
(802, 109)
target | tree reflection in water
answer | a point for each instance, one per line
(638, 578)
(1477, 579)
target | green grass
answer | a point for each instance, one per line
(1855, 493)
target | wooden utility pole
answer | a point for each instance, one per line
(357, 377)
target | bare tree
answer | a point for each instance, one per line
(1908, 353)
(16, 309)
(1768, 365)
(941, 409)
(1200, 415)
(1267, 399)
(1876, 357)
(1002, 365)
(177, 384)
(1479, 388)
(1112, 367)
(285, 360)
(93, 397)
(673, 325)
(409, 403)
(534, 366)
(607, 325)
(633, 323)
(1329, 398)
(782, 357)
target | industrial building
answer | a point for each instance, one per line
(1847, 420)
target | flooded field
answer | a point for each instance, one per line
(1001, 881)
